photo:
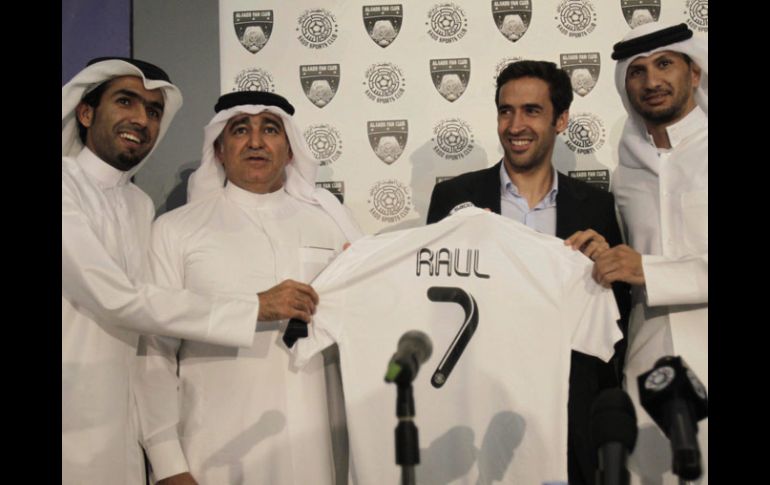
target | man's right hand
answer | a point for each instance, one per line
(289, 299)
(180, 479)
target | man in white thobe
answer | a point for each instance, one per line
(212, 414)
(113, 113)
(661, 188)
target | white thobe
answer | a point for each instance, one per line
(664, 206)
(106, 224)
(237, 416)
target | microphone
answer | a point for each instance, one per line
(676, 400)
(414, 348)
(613, 434)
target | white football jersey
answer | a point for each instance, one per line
(503, 306)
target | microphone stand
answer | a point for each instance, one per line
(407, 445)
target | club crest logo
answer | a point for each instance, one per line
(255, 79)
(450, 76)
(452, 139)
(383, 23)
(324, 142)
(253, 28)
(388, 138)
(320, 82)
(447, 23)
(597, 178)
(585, 133)
(389, 201)
(697, 12)
(384, 82)
(576, 18)
(638, 12)
(335, 187)
(317, 28)
(512, 17)
(583, 70)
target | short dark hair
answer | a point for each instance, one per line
(559, 86)
(92, 99)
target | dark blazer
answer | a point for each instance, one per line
(579, 206)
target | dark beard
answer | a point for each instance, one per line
(661, 117)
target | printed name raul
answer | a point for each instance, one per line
(463, 263)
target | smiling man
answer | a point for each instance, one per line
(114, 112)
(661, 187)
(255, 223)
(533, 99)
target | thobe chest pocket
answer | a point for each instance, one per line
(695, 217)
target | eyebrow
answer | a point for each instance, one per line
(524, 106)
(134, 95)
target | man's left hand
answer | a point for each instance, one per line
(589, 242)
(620, 263)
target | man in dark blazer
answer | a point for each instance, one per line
(533, 99)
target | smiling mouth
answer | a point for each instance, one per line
(520, 144)
(131, 138)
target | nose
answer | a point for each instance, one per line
(255, 140)
(653, 79)
(516, 122)
(139, 116)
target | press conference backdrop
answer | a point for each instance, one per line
(394, 96)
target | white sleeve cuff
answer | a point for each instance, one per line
(234, 321)
(675, 282)
(167, 459)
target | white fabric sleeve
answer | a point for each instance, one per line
(157, 395)
(156, 383)
(95, 285)
(591, 310)
(682, 281)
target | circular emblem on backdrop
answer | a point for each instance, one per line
(317, 28)
(576, 18)
(389, 201)
(585, 133)
(384, 82)
(325, 143)
(659, 379)
(447, 23)
(254, 80)
(502, 65)
(698, 14)
(452, 139)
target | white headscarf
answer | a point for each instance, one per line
(301, 170)
(635, 147)
(94, 75)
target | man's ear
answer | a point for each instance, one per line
(562, 121)
(696, 72)
(85, 114)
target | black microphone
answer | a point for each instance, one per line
(676, 400)
(613, 435)
(414, 348)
